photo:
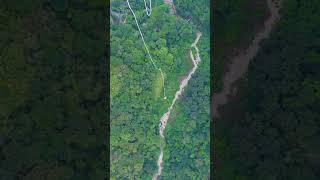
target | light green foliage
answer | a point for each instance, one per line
(137, 96)
(196, 11)
(137, 99)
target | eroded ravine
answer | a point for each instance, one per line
(171, 6)
(239, 64)
(164, 119)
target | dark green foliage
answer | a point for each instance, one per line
(59, 5)
(52, 100)
(278, 136)
(21, 6)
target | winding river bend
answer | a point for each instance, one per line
(239, 64)
(164, 119)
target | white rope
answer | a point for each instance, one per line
(148, 10)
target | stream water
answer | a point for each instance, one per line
(195, 60)
(164, 119)
(239, 64)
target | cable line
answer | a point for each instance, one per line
(148, 10)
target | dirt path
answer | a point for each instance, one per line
(239, 64)
(164, 119)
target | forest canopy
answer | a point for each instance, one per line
(52, 97)
(275, 132)
(137, 102)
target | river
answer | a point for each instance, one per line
(164, 119)
(239, 64)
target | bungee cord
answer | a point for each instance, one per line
(148, 10)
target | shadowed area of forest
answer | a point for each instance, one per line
(235, 23)
(53, 121)
(270, 129)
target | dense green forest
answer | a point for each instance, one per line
(187, 145)
(273, 130)
(137, 102)
(198, 12)
(52, 98)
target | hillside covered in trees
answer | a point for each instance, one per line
(137, 102)
(271, 129)
(52, 97)
(187, 145)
